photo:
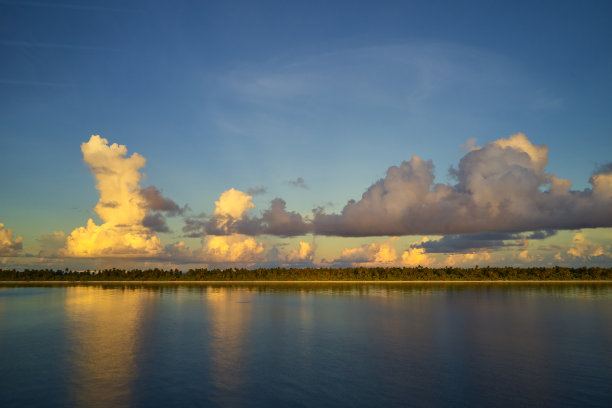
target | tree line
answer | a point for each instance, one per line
(315, 274)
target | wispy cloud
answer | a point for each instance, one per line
(34, 83)
(257, 190)
(55, 45)
(299, 183)
(412, 77)
(84, 7)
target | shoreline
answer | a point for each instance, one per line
(203, 282)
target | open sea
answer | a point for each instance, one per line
(310, 345)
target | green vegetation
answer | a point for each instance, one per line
(315, 274)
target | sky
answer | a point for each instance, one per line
(183, 134)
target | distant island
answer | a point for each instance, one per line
(555, 273)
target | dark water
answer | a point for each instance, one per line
(311, 345)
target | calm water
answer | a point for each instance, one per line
(306, 345)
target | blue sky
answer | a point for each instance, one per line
(220, 95)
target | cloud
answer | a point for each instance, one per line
(108, 240)
(257, 190)
(221, 241)
(602, 182)
(605, 168)
(51, 244)
(8, 245)
(541, 234)
(384, 254)
(413, 77)
(232, 207)
(155, 222)
(415, 256)
(122, 207)
(299, 183)
(469, 144)
(524, 256)
(231, 216)
(278, 221)
(372, 254)
(582, 248)
(195, 226)
(157, 202)
(501, 186)
(303, 253)
(467, 260)
(231, 249)
(220, 251)
(479, 241)
(179, 252)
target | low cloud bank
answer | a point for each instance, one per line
(502, 196)
(479, 241)
(384, 254)
(501, 187)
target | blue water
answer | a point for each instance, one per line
(311, 345)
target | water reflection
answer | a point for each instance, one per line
(230, 319)
(103, 334)
(262, 344)
(582, 290)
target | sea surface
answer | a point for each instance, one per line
(311, 345)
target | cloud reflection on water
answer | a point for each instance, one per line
(351, 344)
(103, 328)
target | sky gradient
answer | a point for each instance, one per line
(184, 133)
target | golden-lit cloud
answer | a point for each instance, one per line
(222, 245)
(231, 216)
(231, 207)
(122, 208)
(304, 252)
(583, 248)
(417, 256)
(524, 256)
(467, 260)
(519, 142)
(384, 254)
(231, 248)
(502, 189)
(372, 254)
(9, 246)
(602, 186)
(111, 240)
(218, 250)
